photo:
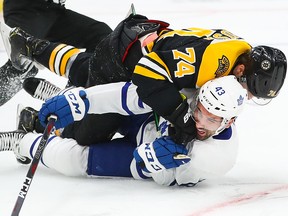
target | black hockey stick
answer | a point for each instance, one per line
(27, 182)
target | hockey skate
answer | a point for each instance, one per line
(11, 81)
(10, 141)
(27, 120)
(24, 48)
(40, 88)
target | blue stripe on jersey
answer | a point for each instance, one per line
(33, 145)
(140, 172)
(140, 103)
(49, 140)
(124, 98)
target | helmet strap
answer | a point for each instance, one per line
(222, 126)
(242, 79)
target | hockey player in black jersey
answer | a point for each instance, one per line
(161, 62)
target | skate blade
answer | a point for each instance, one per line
(5, 31)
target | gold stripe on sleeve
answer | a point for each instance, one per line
(65, 59)
(53, 56)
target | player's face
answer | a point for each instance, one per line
(206, 122)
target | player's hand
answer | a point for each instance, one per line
(184, 128)
(161, 154)
(72, 105)
(183, 135)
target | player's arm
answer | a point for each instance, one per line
(159, 89)
(74, 103)
(155, 86)
(210, 159)
(118, 97)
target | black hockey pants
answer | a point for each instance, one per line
(53, 22)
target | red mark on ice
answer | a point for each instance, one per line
(238, 200)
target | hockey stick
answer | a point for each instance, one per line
(27, 182)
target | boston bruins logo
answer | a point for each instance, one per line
(223, 65)
(265, 65)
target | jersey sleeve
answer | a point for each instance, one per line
(210, 159)
(155, 86)
(220, 57)
(115, 98)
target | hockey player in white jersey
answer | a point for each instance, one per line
(147, 151)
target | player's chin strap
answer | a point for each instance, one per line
(261, 101)
(242, 79)
(222, 126)
(256, 100)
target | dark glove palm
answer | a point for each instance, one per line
(184, 128)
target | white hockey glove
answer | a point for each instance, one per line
(161, 154)
(70, 106)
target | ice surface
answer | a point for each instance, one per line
(257, 185)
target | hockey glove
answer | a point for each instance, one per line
(71, 106)
(184, 128)
(161, 154)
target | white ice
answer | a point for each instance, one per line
(257, 185)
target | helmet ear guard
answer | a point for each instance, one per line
(269, 66)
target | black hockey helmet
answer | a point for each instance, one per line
(269, 66)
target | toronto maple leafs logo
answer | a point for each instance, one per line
(240, 100)
(223, 65)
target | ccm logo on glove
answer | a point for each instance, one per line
(69, 106)
(161, 154)
(74, 102)
(150, 155)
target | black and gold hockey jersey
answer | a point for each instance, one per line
(176, 59)
(184, 58)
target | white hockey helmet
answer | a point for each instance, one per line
(223, 97)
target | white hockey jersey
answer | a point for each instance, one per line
(210, 158)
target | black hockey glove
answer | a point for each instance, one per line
(184, 129)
